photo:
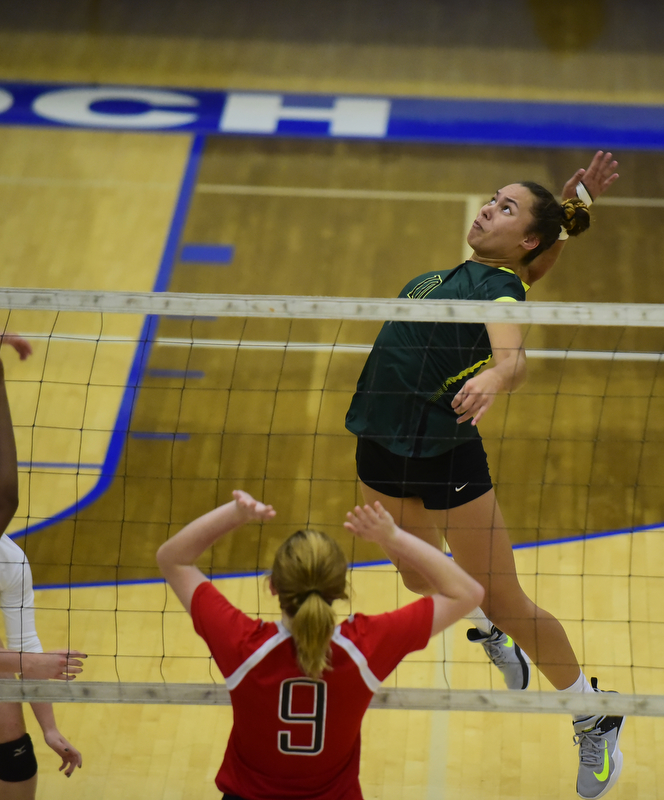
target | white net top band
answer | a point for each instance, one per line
(356, 308)
(423, 699)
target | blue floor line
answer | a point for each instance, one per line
(354, 565)
(219, 254)
(196, 374)
(145, 342)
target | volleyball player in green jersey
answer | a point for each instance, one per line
(405, 392)
(418, 401)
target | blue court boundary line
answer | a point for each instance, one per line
(354, 565)
(192, 374)
(144, 347)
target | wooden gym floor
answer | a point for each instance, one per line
(93, 210)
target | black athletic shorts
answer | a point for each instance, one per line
(446, 481)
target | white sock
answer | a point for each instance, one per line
(580, 686)
(480, 621)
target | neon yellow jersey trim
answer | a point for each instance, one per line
(512, 272)
(450, 381)
(505, 300)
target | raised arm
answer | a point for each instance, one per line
(596, 179)
(508, 372)
(457, 594)
(176, 557)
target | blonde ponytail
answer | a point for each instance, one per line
(308, 574)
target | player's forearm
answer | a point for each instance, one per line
(441, 573)
(10, 662)
(195, 538)
(509, 371)
(45, 716)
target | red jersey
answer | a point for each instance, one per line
(295, 738)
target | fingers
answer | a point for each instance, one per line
(71, 665)
(356, 520)
(254, 507)
(70, 760)
(600, 174)
(368, 521)
(471, 406)
(577, 176)
(602, 163)
(597, 177)
(73, 660)
(67, 674)
(262, 511)
(243, 499)
(70, 756)
(21, 345)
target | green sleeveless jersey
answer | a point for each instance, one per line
(404, 394)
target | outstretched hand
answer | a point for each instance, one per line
(596, 178)
(59, 665)
(70, 756)
(21, 345)
(373, 523)
(476, 397)
(252, 508)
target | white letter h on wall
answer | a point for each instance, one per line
(261, 113)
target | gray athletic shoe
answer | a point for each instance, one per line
(600, 759)
(506, 655)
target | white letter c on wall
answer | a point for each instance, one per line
(73, 107)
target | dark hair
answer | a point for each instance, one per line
(549, 216)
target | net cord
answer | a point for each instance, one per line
(356, 308)
(610, 703)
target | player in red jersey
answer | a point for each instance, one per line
(300, 686)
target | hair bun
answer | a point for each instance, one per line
(575, 216)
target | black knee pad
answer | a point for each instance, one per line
(17, 760)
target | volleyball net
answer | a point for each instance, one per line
(139, 412)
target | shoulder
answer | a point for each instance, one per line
(14, 564)
(378, 643)
(225, 627)
(390, 622)
(8, 545)
(211, 609)
(501, 283)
